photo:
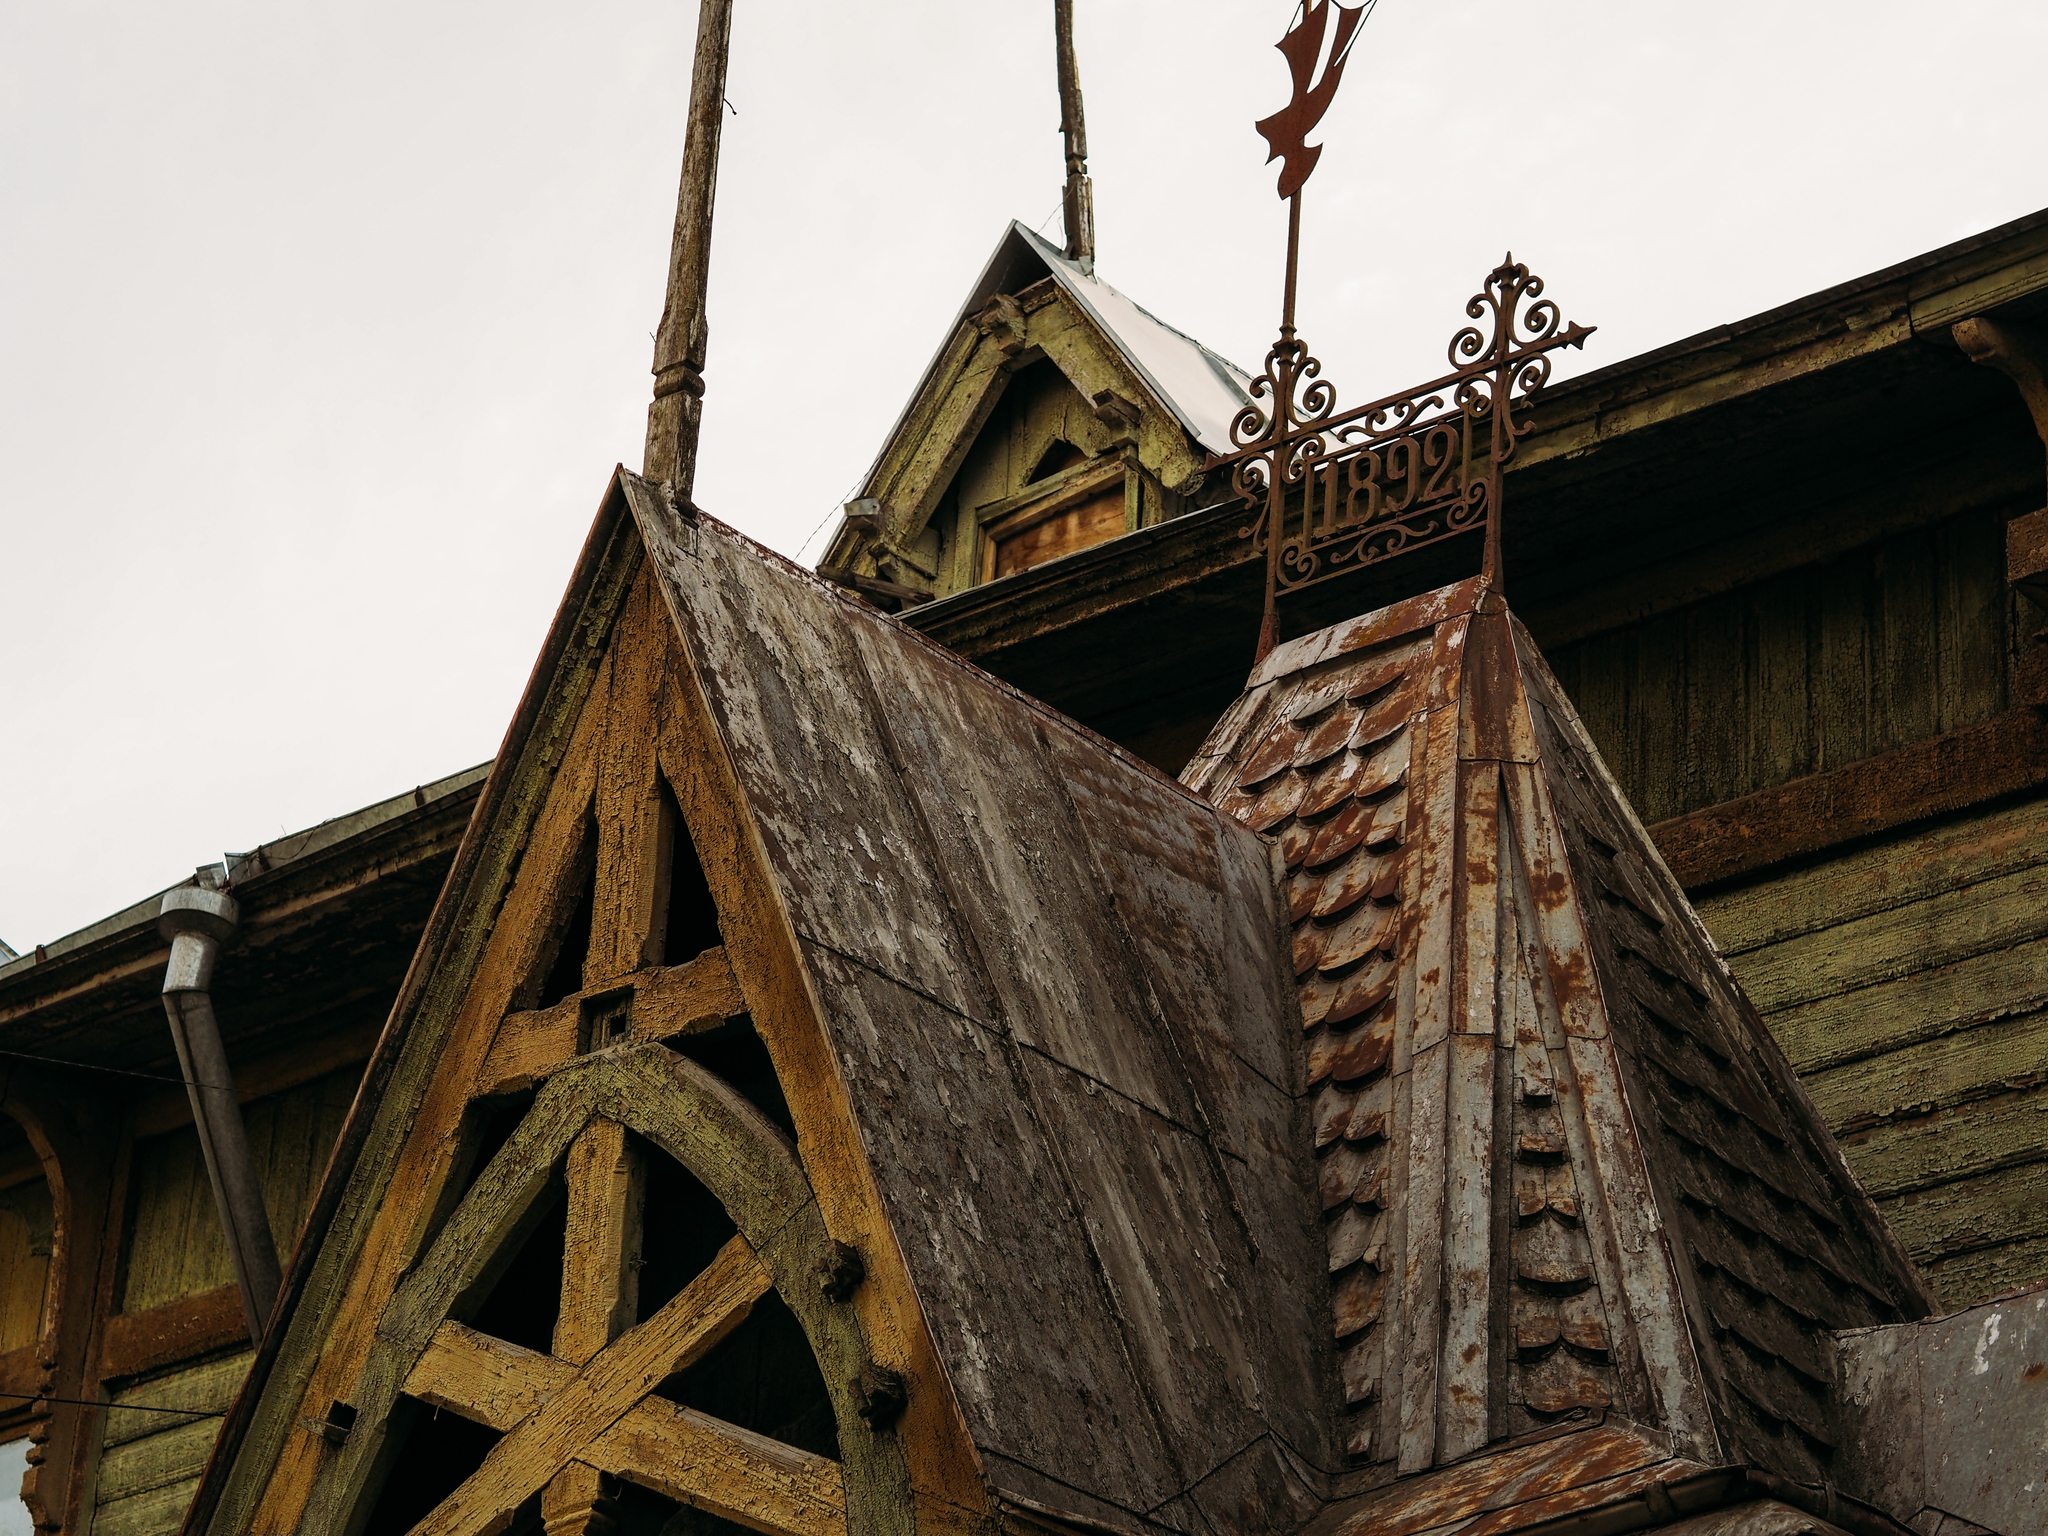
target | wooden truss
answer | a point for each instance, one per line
(391, 1334)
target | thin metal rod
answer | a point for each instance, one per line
(1079, 204)
(86, 1402)
(1293, 264)
(217, 1118)
(677, 413)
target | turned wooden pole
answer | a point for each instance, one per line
(677, 413)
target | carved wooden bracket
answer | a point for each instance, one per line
(2017, 351)
(1002, 321)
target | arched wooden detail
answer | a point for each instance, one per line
(74, 1140)
(557, 1415)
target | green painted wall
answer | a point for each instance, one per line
(150, 1461)
(175, 1247)
(1908, 982)
(1803, 672)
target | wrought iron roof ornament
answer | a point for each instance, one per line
(1338, 491)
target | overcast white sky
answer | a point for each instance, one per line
(322, 326)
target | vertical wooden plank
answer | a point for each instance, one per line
(1432, 834)
(1975, 601)
(1468, 1348)
(1843, 735)
(1780, 698)
(1906, 674)
(1662, 712)
(1478, 933)
(1422, 1254)
(601, 1248)
(1602, 701)
(628, 803)
(1707, 744)
(1466, 1355)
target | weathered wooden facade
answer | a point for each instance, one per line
(799, 991)
(837, 1092)
(114, 1281)
(1770, 567)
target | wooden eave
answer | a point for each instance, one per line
(94, 996)
(518, 778)
(1648, 484)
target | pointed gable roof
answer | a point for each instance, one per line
(1026, 999)
(1202, 388)
(1564, 1167)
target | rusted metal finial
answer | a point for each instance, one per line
(1080, 197)
(1336, 491)
(679, 346)
(1333, 491)
(1286, 131)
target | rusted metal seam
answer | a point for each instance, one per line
(1011, 1047)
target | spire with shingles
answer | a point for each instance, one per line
(1564, 1168)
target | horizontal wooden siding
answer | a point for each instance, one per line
(1908, 982)
(1803, 672)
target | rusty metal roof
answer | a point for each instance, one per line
(1564, 1167)
(1362, 1138)
(1056, 983)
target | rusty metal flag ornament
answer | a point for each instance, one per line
(1336, 491)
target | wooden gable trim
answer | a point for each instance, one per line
(258, 1438)
(635, 707)
(946, 1485)
(945, 421)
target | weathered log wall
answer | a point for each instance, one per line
(1908, 982)
(175, 1247)
(1803, 672)
(150, 1461)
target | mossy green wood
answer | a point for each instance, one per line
(728, 1145)
(446, 965)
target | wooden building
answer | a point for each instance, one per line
(1781, 568)
(841, 1138)
(837, 1092)
(114, 1280)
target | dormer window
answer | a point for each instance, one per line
(1079, 503)
(1058, 417)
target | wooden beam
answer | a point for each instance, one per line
(669, 1001)
(1927, 778)
(675, 1000)
(677, 1452)
(483, 1379)
(601, 1243)
(724, 1470)
(557, 1431)
(135, 1342)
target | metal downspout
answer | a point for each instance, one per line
(196, 920)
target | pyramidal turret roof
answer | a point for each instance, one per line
(1564, 1169)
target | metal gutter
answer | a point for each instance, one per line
(240, 867)
(197, 919)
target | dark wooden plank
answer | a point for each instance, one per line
(1843, 728)
(992, 1232)
(1694, 702)
(1905, 662)
(1177, 1264)
(1778, 689)
(1912, 783)
(1020, 870)
(1976, 663)
(1906, 866)
(135, 1342)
